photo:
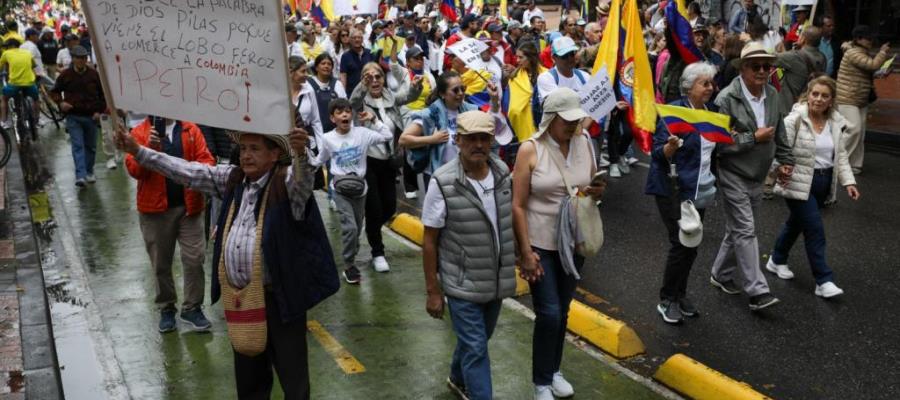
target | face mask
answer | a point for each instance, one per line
(417, 71)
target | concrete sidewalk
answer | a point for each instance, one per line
(374, 340)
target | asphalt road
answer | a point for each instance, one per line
(803, 348)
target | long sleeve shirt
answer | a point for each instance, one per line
(212, 180)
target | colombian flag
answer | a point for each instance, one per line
(623, 52)
(322, 12)
(448, 10)
(683, 120)
(680, 32)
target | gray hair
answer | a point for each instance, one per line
(695, 71)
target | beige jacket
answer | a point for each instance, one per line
(800, 134)
(854, 80)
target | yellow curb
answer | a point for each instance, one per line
(611, 335)
(697, 381)
(409, 227)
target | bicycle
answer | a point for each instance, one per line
(6, 146)
(47, 106)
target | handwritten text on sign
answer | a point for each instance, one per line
(597, 97)
(469, 50)
(215, 62)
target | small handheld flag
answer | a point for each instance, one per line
(682, 120)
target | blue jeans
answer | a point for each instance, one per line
(551, 297)
(474, 324)
(806, 218)
(83, 132)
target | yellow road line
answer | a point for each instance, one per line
(341, 356)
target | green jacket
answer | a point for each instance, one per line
(747, 157)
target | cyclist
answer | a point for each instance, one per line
(12, 32)
(20, 64)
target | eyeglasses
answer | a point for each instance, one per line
(760, 67)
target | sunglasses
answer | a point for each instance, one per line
(760, 67)
(459, 89)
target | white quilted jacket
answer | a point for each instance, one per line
(799, 133)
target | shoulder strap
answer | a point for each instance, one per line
(580, 75)
(314, 84)
(555, 75)
(555, 157)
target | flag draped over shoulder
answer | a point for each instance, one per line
(682, 34)
(476, 88)
(681, 120)
(448, 10)
(624, 53)
(517, 100)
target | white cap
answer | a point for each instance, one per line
(690, 227)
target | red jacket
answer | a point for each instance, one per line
(151, 190)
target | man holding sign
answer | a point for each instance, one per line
(271, 259)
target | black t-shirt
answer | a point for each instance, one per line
(48, 49)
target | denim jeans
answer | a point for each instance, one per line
(806, 218)
(551, 297)
(474, 324)
(83, 132)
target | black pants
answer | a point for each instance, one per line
(381, 201)
(680, 258)
(285, 351)
(619, 137)
(410, 183)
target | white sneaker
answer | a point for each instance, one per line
(381, 264)
(542, 392)
(623, 166)
(781, 270)
(332, 205)
(614, 171)
(91, 178)
(412, 195)
(111, 163)
(632, 160)
(561, 387)
(828, 290)
(6, 124)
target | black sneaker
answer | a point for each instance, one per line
(761, 301)
(669, 311)
(195, 320)
(687, 308)
(167, 320)
(457, 388)
(727, 286)
(351, 275)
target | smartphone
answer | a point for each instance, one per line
(159, 124)
(599, 177)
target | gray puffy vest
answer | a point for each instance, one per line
(470, 265)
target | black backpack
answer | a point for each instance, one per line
(324, 96)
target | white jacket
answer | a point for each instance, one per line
(800, 134)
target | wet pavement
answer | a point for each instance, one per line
(369, 341)
(803, 348)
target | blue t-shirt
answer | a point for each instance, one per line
(351, 64)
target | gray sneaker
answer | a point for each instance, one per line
(727, 286)
(761, 301)
(687, 308)
(167, 320)
(670, 312)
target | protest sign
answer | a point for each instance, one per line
(469, 51)
(597, 96)
(220, 63)
(354, 7)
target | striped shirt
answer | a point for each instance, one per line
(212, 180)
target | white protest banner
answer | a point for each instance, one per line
(354, 7)
(597, 96)
(798, 2)
(469, 50)
(220, 63)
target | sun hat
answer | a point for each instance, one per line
(79, 51)
(690, 227)
(755, 50)
(472, 122)
(280, 140)
(563, 102)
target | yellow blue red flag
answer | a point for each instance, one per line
(682, 120)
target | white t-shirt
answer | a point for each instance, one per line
(63, 58)
(434, 208)
(36, 55)
(526, 17)
(293, 49)
(547, 84)
(347, 152)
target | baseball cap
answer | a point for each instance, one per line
(472, 122)
(79, 51)
(805, 9)
(433, 14)
(414, 52)
(495, 27)
(563, 102)
(690, 227)
(31, 31)
(564, 45)
(581, 22)
(513, 25)
(755, 50)
(359, 20)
